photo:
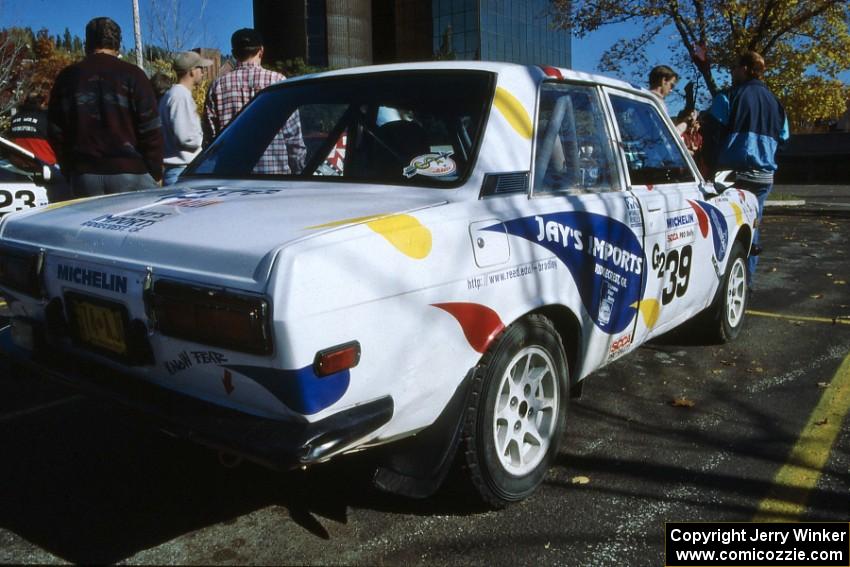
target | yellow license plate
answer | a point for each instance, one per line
(100, 327)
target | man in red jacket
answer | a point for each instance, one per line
(104, 121)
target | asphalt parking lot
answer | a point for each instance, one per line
(673, 432)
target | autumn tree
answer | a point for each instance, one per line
(806, 44)
(175, 26)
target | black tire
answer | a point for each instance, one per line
(724, 319)
(502, 475)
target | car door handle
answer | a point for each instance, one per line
(651, 210)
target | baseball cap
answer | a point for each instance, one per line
(188, 60)
(246, 38)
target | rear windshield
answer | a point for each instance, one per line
(412, 128)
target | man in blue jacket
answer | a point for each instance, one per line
(755, 124)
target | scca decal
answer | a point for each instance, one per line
(603, 255)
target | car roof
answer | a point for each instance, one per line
(535, 72)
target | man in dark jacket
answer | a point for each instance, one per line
(755, 124)
(104, 121)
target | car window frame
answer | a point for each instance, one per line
(475, 151)
(618, 184)
(647, 97)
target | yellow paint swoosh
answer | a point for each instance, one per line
(405, 233)
(344, 222)
(514, 112)
(649, 309)
(739, 214)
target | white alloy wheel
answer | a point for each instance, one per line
(526, 411)
(736, 292)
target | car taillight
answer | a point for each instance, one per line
(213, 317)
(336, 359)
(21, 271)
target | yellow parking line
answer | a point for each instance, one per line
(786, 501)
(839, 320)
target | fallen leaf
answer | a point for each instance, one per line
(773, 269)
(840, 282)
(816, 296)
(823, 421)
(823, 384)
(717, 371)
(547, 545)
(580, 480)
(727, 362)
(755, 370)
(682, 403)
(797, 323)
(829, 275)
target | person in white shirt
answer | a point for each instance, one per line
(181, 125)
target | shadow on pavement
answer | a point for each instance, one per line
(89, 486)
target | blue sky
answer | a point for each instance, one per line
(222, 17)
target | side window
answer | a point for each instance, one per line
(652, 155)
(573, 152)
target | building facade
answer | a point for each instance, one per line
(345, 33)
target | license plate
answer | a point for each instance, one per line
(100, 326)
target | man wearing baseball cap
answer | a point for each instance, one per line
(181, 126)
(286, 153)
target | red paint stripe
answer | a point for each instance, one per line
(551, 71)
(479, 323)
(701, 217)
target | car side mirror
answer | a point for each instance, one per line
(43, 177)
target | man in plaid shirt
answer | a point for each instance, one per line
(286, 153)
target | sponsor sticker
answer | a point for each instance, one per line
(633, 210)
(431, 165)
(188, 359)
(603, 255)
(619, 347)
(127, 222)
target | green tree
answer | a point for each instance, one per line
(805, 44)
(67, 42)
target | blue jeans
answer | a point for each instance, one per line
(92, 184)
(169, 177)
(761, 192)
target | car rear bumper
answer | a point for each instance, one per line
(273, 443)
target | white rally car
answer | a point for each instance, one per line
(461, 246)
(23, 178)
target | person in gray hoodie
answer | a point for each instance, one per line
(181, 125)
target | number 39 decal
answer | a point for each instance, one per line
(675, 268)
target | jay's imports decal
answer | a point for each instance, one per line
(431, 165)
(603, 255)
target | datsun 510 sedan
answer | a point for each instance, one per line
(428, 271)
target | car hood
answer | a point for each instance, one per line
(228, 232)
